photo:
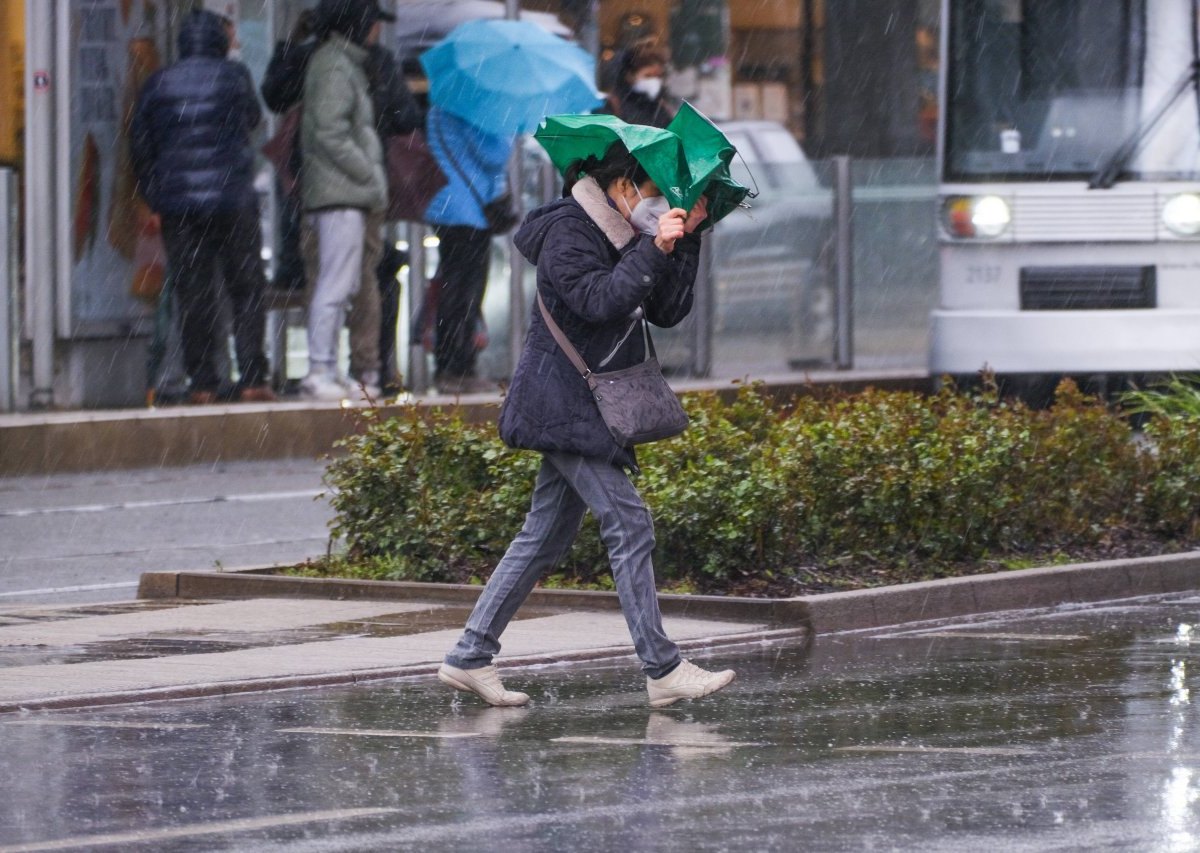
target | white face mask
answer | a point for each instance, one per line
(645, 215)
(651, 87)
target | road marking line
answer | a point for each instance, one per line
(975, 635)
(304, 730)
(242, 825)
(626, 741)
(52, 589)
(937, 750)
(160, 549)
(105, 724)
(215, 499)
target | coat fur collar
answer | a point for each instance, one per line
(595, 204)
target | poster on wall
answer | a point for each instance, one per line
(116, 252)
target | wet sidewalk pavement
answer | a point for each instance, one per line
(1071, 728)
(56, 657)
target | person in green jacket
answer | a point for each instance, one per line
(343, 183)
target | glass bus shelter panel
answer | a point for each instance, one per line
(1053, 87)
(896, 266)
(769, 297)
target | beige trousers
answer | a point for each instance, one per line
(364, 318)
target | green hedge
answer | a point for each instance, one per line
(883, 479)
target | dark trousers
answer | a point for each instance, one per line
(198, 249)
(463, 268)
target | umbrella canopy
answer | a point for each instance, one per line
(504, 77)
(687, 159)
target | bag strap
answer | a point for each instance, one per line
(573, 354)
(567, 347)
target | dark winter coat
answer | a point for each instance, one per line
(636, 108)
(591, 288)
(190, 135)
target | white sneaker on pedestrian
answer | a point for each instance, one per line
(483, 682)
(323, 388)
(686, 681)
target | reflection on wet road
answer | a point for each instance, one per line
(1072, 729)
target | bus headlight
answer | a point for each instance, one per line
(1181, 214)
(984, 216)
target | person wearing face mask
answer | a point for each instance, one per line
(608, 253)
(638, 94)
(343, 190)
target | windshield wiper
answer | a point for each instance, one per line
(1107, 174)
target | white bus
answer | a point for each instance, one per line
(1070, 187)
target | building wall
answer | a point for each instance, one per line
(12, 80)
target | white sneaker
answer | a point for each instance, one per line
(321, 387)
(483, 682)
(686, 681)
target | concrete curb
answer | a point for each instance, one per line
(94, 441)
(252, 583)
(828, 613)
(803, 616)
(292, 682)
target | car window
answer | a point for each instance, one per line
(771, 159)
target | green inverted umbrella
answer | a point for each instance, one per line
(687, 159)
(708, 153)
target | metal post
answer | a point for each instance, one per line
(516, 264)
(843, 330)
(702, 313)
(40, 195)
(10, 329)
(418, 372)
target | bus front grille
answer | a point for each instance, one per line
(1110, 217)
(1087, 288)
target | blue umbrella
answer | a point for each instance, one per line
(504, 77)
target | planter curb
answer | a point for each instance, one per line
(825, 613)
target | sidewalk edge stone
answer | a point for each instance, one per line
(824, 613)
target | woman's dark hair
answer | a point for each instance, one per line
(641, 56)
(617, 162)
(351, 18)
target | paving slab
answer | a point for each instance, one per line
(301, 659)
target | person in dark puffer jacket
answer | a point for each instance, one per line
(596, 275)
(190, 143)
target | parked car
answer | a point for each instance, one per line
(767, 260)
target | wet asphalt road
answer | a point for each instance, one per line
(88, 537)
(1064, 730)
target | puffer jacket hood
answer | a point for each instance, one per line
(190, 135)
(531, 236)
(203, 34)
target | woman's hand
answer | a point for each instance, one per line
(697, 215)
(670, 228)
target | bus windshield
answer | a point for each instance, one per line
(1050, 89)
